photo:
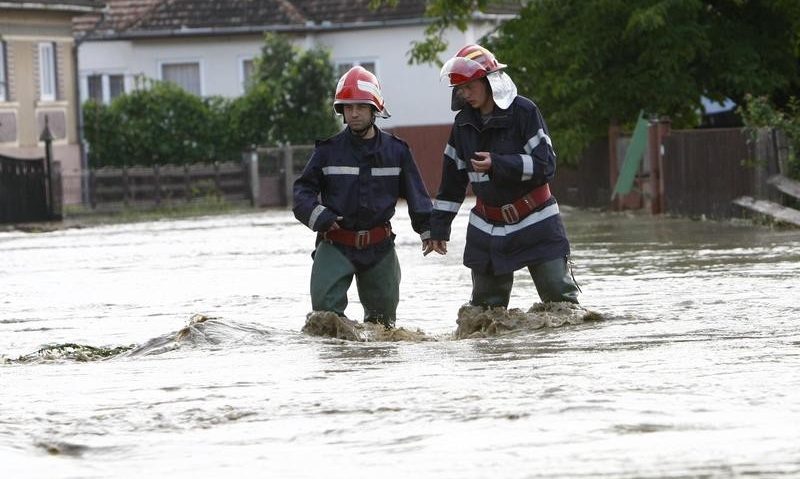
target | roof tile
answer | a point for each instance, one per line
(126, 17)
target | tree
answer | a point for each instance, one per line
(290, 98)
(759, 113)
(588, 64)
(591, 63)
(443, 14)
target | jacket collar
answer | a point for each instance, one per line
(471, 116)
(356, 141)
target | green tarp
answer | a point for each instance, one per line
(633, 158)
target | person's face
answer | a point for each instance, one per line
(358, 115)
(476, 94)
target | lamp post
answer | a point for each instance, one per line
(47, 138)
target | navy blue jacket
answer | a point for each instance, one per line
(522, 159)
(361, 182)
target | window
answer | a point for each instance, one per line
(3, 73)
(247, 70)
(47, 72)
(186, 75)
(103, 88)
(342, 67)
(116, 86)
(95, 84)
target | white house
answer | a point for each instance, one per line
(208, 47)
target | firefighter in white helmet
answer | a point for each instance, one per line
(500, 146)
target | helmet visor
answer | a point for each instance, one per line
(460, 70)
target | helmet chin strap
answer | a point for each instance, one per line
(365, 131)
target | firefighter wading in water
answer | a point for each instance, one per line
(499, 144)
(347, 193)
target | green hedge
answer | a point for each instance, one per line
(759, 112)
(161, 124)
(289, 101)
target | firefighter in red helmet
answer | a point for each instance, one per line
(347, 194)
(500, 146)
(360, 87)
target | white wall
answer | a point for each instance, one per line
(413, 93)
(219, 57)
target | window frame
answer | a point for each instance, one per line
(110, 94)
(352, 62)
(48, 85)
(181, 61)
(4, 90)
(89, 96)
(104, 81)
(243, 73)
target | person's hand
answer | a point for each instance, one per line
(482, 162)
(440, 246)
(335, 226)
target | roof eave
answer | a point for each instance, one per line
(59, 7)
(296, 28)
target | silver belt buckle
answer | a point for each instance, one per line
(362, 239)
(510, 214)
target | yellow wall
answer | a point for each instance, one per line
(22, 31)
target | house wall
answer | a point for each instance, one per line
(427, 146)
(413, 93)
(22, 116)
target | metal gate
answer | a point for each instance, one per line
(23, 190)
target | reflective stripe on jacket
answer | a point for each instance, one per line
(522, 159)
(361, 182)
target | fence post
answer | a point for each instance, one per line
(217, 181)
(255, 186)
(92, 187)
(187, 183)
(658, 130)
(288, 175)
(157, 180)
(47, 138)
(126, 189)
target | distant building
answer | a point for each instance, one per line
(38, 79)
(208, 47)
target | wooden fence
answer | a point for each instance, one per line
(23, 190)
(703, 171)
(165, 184)
(278, 167)
(585, 185)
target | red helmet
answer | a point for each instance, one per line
(358, 85)
(471, 62)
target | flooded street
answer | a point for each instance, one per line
(693, 372)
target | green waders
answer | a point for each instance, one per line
(378, 287)
(553, 282)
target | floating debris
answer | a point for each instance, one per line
(480, 322)
(330, 325)
(201, 330)
(473, 322)
(72, 352)
(60, 448)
